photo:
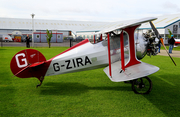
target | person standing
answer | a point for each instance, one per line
(27, 41)
(171, 43)
(159, 46)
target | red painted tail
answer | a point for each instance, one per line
(29, 63)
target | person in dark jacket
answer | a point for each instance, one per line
(171, 43)
(159, 46)
(27, 41)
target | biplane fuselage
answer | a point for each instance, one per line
(87, 56)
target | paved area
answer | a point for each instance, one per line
(21, 44)
(174, 53)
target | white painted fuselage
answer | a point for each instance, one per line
(84, 57)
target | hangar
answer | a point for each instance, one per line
(165, 22)
(19, 28)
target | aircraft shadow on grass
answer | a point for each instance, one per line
(73, 89)
(165, 95)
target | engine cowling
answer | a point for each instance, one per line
(141, 45)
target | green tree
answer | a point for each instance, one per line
(170, 33)
(48, 37)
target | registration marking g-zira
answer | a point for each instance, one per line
(72, 63)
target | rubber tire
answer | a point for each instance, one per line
(138, 83)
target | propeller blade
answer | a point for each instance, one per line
(161, 39)
(155, 30)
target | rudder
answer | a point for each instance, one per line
(24, 62)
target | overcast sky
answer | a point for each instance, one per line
(88, 10)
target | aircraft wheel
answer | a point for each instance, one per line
(142, 85)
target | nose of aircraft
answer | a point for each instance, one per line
(141, 45)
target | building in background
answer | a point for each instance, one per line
(163, 23)
(19, 28)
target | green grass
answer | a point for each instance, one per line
(175, 48)
(87, 93)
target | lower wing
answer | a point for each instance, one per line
(130, 73)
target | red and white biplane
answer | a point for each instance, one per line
(120, 54)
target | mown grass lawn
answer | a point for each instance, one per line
(177, 48)
(87, 93)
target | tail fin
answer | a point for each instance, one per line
(29, 63)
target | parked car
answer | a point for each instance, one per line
(177, 41)
(6, 38)
(79, 38)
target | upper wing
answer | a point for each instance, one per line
(122, 25)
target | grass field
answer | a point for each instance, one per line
(175, 48)
(87, 93)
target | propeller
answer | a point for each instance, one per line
(161, 39)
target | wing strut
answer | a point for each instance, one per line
(122, 51)
(94, 39)
(133, 60)
(109, 55)
(101, 37)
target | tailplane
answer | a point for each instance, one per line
(29, 63)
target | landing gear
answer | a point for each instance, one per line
(39, 84)
(142, 85)
(41, 80)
